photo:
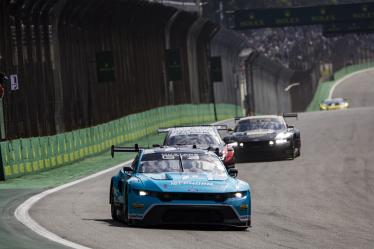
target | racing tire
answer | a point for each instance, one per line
(291, 152)
(238, 157)
(114, 212)
(125, 214)
(113, 209)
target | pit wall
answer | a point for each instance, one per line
(32, 155)
(323, 89)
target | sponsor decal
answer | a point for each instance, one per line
(193, 183)
(175, 156)
(135, 216)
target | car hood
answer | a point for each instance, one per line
(255, 135)
(190, 182)
(202, 146)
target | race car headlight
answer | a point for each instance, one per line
(241, 145)
(237, 195)
(143, 193)
(323, 107)
(284, 135)
(282, 138)
(281, 141)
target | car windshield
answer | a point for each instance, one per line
(259, 124)
(180, 162)
(191, 139)
(333, 101)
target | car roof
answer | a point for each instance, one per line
(182, 150)
(193, 130)
(261, 116)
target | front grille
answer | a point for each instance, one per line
(197, 216)
(192, 196)
(257, 144)
(191, 214)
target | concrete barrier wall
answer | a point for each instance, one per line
(228, 44)
(266, 81)
(32, 155)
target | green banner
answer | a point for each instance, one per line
(348, 27)
(280, 17)
(105, 67)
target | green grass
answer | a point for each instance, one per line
(71, 172)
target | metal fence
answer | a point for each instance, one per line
(55, 48)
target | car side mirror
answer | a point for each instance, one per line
(128, 169)
(233, 172)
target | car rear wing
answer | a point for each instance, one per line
(163, 130)
(218, 127)
(114, 149)
(290, 115)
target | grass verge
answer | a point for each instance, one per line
(71, 172)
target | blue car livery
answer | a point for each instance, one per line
(169, 186)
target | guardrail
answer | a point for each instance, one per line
(323, 89)
(32, 155)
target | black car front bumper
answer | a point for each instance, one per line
(262, 150)
(219, 215)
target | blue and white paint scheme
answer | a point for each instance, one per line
(170, 185)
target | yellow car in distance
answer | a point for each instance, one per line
(334, 104)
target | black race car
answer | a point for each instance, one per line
(265, 138)
(202, 137)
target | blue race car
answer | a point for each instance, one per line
(170, 186)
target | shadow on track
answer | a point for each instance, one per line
(113, 223)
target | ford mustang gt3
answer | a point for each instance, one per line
(171, 186)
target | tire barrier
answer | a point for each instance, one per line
(32, 155)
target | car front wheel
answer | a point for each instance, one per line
(113, 208)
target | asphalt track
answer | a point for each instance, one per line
(324, 199)
(14, 235)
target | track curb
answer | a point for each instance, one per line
(23, 216)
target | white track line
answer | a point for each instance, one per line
(345, 78)
(22, 211)
(23, 216)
